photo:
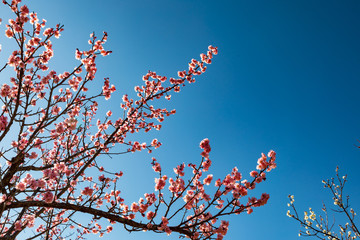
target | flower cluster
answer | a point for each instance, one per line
(3, 123)
(192, 195)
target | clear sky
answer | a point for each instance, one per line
(286, 78)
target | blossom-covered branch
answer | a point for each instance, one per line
(53, 143)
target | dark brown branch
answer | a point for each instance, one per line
(92, 211)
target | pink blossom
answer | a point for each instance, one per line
(5, 90)
(87, 191)
(18, 225)
(157, 167)
(181, 74)
(48, 197)
(180, 170)
(253, 173)
(109, 229)
(214, 50)
(24, 10)
(160, 183)
(2, 198)
(206, 164)
(150, 215)
(9, 33)
(135, 207)
(56, 110)
(272, 154)
(3, 123)
(165, 221)
(218, 183)
(208, 179)
(33, 155)
(204, 144)
(41, 183)
(223, 228)
(30, 220)
(155, 143)
(71, 123)
(21, 186)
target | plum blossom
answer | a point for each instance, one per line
(87, 191)
(3, 123)
(48, 197)
(21, 186)
(208, 179)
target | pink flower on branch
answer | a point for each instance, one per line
(48, 197)
(87, 191)
(3, 123)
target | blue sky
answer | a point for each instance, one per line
(286, 78)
